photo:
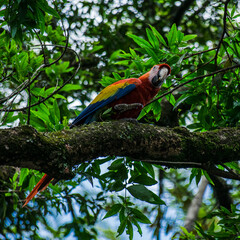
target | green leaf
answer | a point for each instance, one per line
(172, 35)
(14, 29)
(42, 92)
(152, 54)
(24, 172)
(173, 60)
(196, 173)
(134, 221)
(114, 210)
(122, 63)
(59, 96)
(122, 227)
(157, 109)
(144, 111)
(145, 180)
(198, 176)
(122, 211)
(40, 19)
(117, 76)
(32, 182)
(142, 193)
(141, 42)
(189, 37)
(208, 177)
(15, 176)
(71, 87)
(96, 48)
(184, 230)
(180, 100)
(195, 126)
(171, 99)
(129, 230)
(149, 168)
(159, 36)
(40, 115)
(116, 164)
(180, 36)
(105, 81)
(233, 165)
(43, 4)
(152, 38)
(139, 215)
(117, 186)
(233, 10)
(56, 110)
(133, 53)
(236, 16)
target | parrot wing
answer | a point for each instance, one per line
(106, 96)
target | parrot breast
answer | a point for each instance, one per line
(141, 95)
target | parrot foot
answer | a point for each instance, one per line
(123, 107)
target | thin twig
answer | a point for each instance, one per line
(25, 84)
(42, 47)
(230, 170)
(57, 90)
(63, 53)
(230, 20)
(29, 104)
(5, 77)
(220, 173)
(218, 48)
(211, 169)
(172, 164)
(198, 53)
(224, 29)
(35, 75)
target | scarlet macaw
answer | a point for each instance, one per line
(126, 98)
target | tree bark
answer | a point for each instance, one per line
(180, 11)
(56, 153)
(195, 205)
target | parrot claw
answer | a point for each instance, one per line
(123, 107)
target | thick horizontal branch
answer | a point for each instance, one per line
(56, 153)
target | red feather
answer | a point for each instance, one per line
(142, 94)
(41, 186)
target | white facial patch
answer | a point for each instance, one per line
(153, 72)
(163, 73)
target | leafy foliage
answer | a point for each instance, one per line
(42, 82)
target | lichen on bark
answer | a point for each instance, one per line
(58, 152)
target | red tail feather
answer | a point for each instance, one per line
(41, 186)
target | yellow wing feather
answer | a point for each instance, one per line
(109, 91)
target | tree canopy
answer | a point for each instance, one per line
(56, 56)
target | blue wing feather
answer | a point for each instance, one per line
(87, 115)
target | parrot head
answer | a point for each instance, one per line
(158, 74)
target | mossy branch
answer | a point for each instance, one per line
(56, 153)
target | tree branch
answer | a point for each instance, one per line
(56, 153)
(224, 29)
(195, 205)
(185, 6)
